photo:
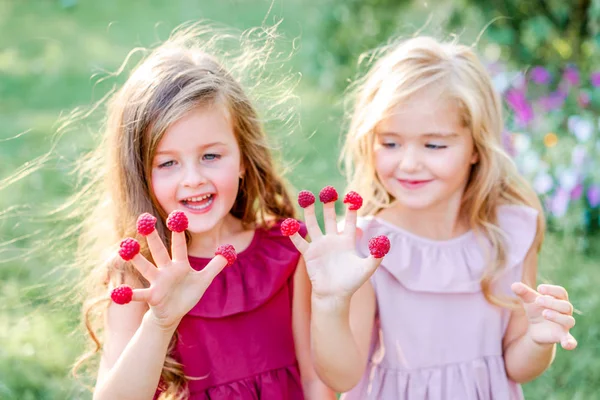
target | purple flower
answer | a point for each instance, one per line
(577, 192)
(560, 203)
(593, 195)
(540, 75)
(595, 79)
(518, 102)
(553, 101)
(571, 75)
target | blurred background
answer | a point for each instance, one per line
(543, 57)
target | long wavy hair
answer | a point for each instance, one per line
(171, 80)
(416, 64)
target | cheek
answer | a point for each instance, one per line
(450, 165)
(385, 163)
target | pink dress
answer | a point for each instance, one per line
(238, 339)
(435, 336)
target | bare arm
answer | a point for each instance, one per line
(341, 358)
(314, 388)
(133, 357)
(533, 330)
(343, 302)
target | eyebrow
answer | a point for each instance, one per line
(204, 146)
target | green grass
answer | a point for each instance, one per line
(48, 53)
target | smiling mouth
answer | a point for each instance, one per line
(199, 202)
(414, 184)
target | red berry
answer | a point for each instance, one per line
(227, 251)
(379, 246)
(129, 247)
(145, 224)
(306, 198)
(354, 199)
(328, 194)
(289, 227)
(122, 294)
(177, 221)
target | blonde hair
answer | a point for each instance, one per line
(417, 64)
(174, 78)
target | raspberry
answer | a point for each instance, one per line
(129, 247)
(328, 194)
(177, 221)
(354, 199)
(122, 294)
(145, 224)
(289, 227)
(306, 198)
(227, 251)
(379, 246)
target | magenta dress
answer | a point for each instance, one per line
(435, 335)
(238, 339)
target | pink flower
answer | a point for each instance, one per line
(595, 79)
(540, 75)
(518, 102)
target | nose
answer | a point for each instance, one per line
(193, 176)
(410, 160)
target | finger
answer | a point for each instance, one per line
(310, 219)
(214, 267)
(525, 293)
(562, 306)
(299, 242)
(371, 264)
(179, 246)
(565, 320)
(554, 290)
(141, 295)
(350, 224)
(145, 267)
(157, 249)
(329, 218)
(568, 342)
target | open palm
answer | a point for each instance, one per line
(175, 287)
(333, 266)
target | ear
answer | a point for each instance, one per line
(475, 157)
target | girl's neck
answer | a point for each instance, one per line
(228, 230)
(443, 222)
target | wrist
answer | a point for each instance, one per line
(168, 328)
(329, 304)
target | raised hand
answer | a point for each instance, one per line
(334, 267)
(550, 314)
(175, 287)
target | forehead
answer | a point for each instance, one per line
(200, 125)
(426, 111)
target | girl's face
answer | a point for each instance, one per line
(197, 167)
(423, 153)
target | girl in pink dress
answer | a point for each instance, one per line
(436, 319)
(182, 135)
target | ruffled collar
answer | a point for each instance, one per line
(260, 271)
(449, 266)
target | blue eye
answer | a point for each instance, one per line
(435, 146)
(211, 157)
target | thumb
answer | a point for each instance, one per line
(525, 293)
(568, 342)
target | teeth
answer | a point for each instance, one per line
(202, 207)
(206, 196)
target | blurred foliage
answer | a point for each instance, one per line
(527, 32)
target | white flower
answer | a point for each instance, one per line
(543, 183)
